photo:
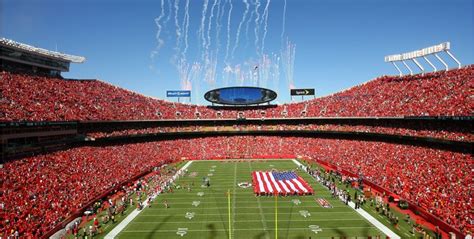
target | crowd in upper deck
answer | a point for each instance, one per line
(451, 133)
(39, 98)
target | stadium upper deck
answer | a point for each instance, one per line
(36, 98)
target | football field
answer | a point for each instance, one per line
(208, 212)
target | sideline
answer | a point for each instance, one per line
(112, 234)
(365, 215)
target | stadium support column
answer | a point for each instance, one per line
(419, 66)
(398, 69)
(454, 58)
(431, 64)
(406, 65)
(444, 63)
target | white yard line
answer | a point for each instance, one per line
(367, 216)
(245, 229)
(237, 221)
(233, 210)
(121, 226)
(246, 213)
(375, 222)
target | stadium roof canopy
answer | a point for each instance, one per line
(17, 52)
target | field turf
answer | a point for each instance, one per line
(250, 217)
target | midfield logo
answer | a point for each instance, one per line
(196, 203)
(200, 194)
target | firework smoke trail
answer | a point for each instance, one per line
(203, 21)
(158, 33)
(186, 27)
(265, 18)
(210, 70)
(283, 23)
(275, 75)
(227, 74)
(239, 77)
(264, 70)
(288, 62)
(178, 28)
(210, 27)
(237, 37)
(194, 77)
(257, 25)
(228, 31)
(220, 15)
(247, 25)
(255, 71)
(169, 12)
(183, 69)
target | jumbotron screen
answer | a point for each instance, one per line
(241, 95)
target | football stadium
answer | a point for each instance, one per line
(197, 119)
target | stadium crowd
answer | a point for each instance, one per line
(40, 98)
(452, 133)
(38, 192)
(41, 191)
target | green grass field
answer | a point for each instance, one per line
(251, 217)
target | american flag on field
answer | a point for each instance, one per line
(279, 183)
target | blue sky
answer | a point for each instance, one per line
(339, 43)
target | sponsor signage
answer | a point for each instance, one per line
(419, 53)
(302, 92)
(178, 93)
